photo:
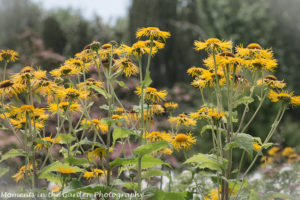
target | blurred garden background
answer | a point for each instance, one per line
(45, 35)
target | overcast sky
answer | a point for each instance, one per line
(109, 10)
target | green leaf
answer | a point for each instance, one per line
(148, 79)
(66, 138)
(168, 195)
(122, 84)
(85, 141)
(3, 171)
(150, 148)
(101, 91)
(210, 127)
(54, 168)
(13, 153)
(244, 100)
(148, 161)
(120, 132)
(267, 145)
(77, 161)
(154, 172)
(242, 141)
(206, 161)
(51, 177)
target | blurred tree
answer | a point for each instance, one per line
(53, 36)
(15, 17)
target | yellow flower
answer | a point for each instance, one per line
(97, 153)
(9, 55)
(200, 114)
(272, 82)
(157, 136)
(253, 51)
(21, 173)
(183, 141)
(293, 158)
(127, 67)
(138, 49)
(182, 119)
(98, 125)
(213, 44)
(8, 88)
(284, 97)
(56, 188)
(49, 139)
(167, 151)
(170, 106)
(152, 33)
(274, 151)
(63, 106)
(66, 170)
(215, 114)
(94, 173)
(213, 195)
(72, 94)
(256, 146)
(152, 94)
(156, 109)
(262, 64)
(195, 71)
(207, 78)
(65, 70)
(27, 109)
(20, 123)
(287, 151)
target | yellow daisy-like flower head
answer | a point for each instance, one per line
(182, 119)
(287, 151)
(152, 33)
(8, 88)
(63, 107)
(127, 67)
(157, 136)
(97, 124)
(195, 71)
(215, 114)
(97, 153)
(65, 70)
(21, 173)
(272, 82)
(9, 55)
(274, 151)
(256, 146)
(72, 94)
(213, 44)
(183, 141)
(152, 94)
(284, 97)
(170, 106)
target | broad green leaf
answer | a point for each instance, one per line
(206, 161)
(101, 91)
(209, 127)
(122, 84)
(242, 141)
(148, 161)
(51, 177)
(85, 141)
(130, 186)
(150, 148)
(13, 153)
(3, 171)
(77, 161)
(54, 168)
(244, 100)
(66, 138)
(120, 132)
(154, 172)
(168, 195)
